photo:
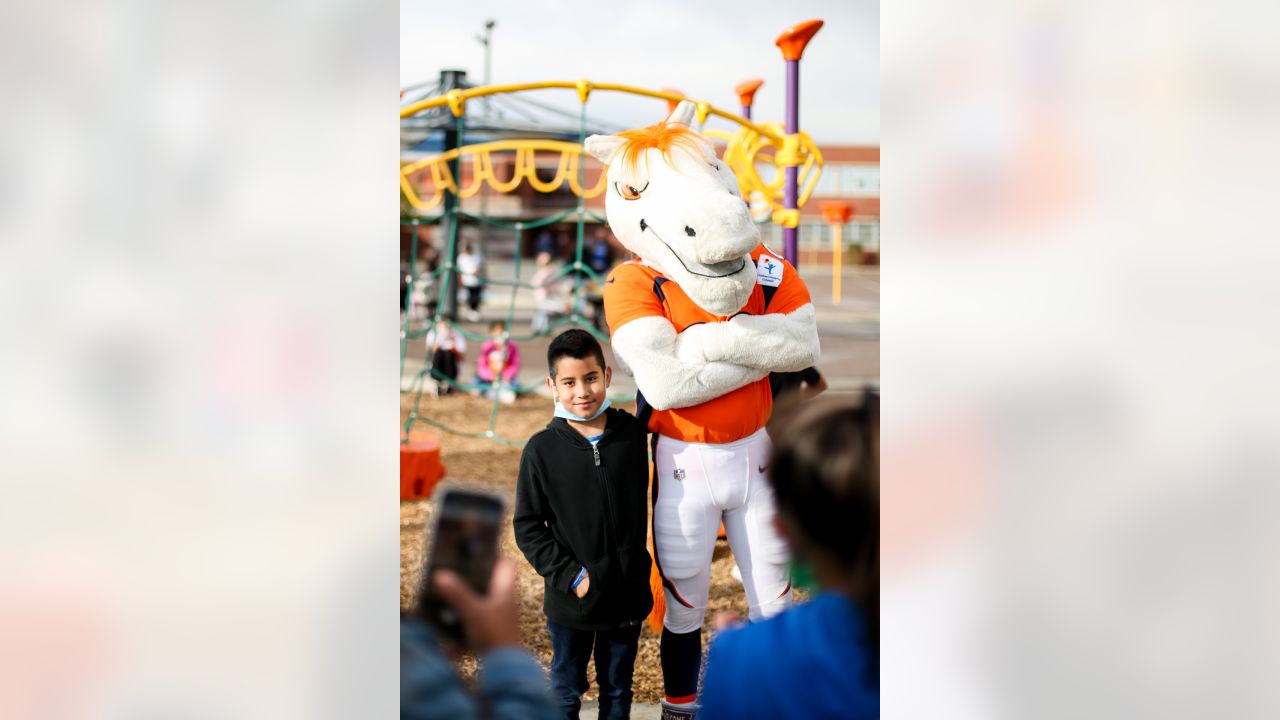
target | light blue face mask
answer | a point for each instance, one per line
(562, 413)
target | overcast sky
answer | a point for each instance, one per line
(702, 48)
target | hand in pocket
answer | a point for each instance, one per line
(581, 590)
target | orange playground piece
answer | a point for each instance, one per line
(793, 40)
(420, 466)
(747, 91)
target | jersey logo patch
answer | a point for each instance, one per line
(678, 474)
(769, 271)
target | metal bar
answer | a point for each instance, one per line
(465, 95)
(789, 234)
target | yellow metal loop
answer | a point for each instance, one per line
(752, 147)
(524, 170)
(786, 218)
(792, 151)
(457, 102)
(808, 176)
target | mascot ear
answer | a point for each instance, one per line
(603, 147)
(682, 115)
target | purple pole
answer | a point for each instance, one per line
(746, 113)
(790, 249)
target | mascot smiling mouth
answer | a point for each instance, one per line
(718, 270)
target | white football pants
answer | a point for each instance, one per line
(698, 485)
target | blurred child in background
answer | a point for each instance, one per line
(446, 347)
(499, 359)
(472, 272)
(546, 295)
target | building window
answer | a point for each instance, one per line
(817, 235)
(848, 180)
(860, 179)
(864, 233)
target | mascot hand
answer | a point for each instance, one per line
(697, 344)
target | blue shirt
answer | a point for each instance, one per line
(811, 661)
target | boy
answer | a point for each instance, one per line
(581, 518)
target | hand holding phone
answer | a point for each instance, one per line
(463, 546)
(493, 620)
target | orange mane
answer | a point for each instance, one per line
(662, 137)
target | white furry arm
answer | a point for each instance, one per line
(776, 342)
(667, 377)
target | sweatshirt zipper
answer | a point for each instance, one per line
(608, 496)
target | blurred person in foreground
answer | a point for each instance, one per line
(509, 684)
(819, 659)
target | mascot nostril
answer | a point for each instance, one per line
(700, 323)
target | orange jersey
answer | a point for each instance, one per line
(629, 294)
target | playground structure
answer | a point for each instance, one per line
(432, 187)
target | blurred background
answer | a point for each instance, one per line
(1080, 432)
(191, 519)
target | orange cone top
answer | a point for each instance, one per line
(793, 40)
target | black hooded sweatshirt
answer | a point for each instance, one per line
(583, 506)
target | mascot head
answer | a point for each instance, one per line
(673, 204)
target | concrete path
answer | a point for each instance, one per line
(639, 711)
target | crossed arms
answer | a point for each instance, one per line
(707, 360)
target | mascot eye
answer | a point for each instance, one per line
(630, 192)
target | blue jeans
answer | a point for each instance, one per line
(615, 653)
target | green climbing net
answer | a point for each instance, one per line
(582, 274)
(443, 278)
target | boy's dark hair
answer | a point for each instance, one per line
(825, 473)
(575, 343)
(498, 325)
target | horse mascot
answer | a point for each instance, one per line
(700, 318)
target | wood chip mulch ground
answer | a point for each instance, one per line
(483, 463)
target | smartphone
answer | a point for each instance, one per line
(464, 539)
